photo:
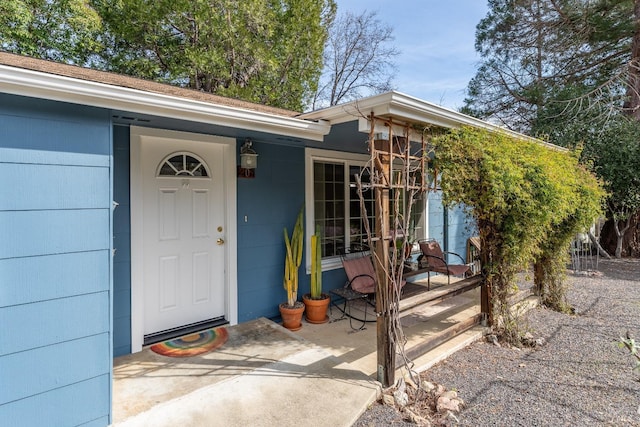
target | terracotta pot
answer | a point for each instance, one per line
(316, 309)
(292, 316)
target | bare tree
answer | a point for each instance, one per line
(358, 56)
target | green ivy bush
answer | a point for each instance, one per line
(528, 199)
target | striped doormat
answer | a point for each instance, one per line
(193, 344)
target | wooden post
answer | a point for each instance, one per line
(385, 345)
(389, 272)
(485, 291)
(386, 351)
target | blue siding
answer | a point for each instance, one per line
(42, 132)
(32, 233)
(270, 201)
(53, 193)
(50, 322)
(344, 137)
(121, 243)
(58, 365)
(436, 217)
(452, 233)
(459, 230)
(55, 263)
(52, 277)
(72, 405)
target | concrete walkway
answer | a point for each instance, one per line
(265, 375)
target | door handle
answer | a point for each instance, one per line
(220, 241)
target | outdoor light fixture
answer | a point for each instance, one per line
(248, 160)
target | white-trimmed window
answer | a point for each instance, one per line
(333, 205)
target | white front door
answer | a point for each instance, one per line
(184, 232)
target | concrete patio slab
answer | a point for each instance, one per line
(310, 387)
(265, 375)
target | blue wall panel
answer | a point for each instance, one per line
(31, 233)
(53, 276)
(436, 217)
(269, 202)
(50, 322)
(344, 137)
(459, 231)
(72, 405)
(44, 132)
(55, 263)
(59, 190)
(452, 233)
(59, 365)
(121, 242)
(121, 336)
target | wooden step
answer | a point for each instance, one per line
(440, 294)
(440, 338)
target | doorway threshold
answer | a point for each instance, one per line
(184, 330)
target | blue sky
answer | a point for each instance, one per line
(436, 39)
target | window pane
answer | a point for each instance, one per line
(318, 190)
(319, 211)
(329, 193)
(194, 166)
(328, 208)
(328, 172)
(339, 209)
(357, 230)
(318, 169)
(339, 190)
(177, 162)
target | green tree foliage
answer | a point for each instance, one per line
(524, 196)
(615, 155)
(268, 52)
(568, 70)
(611, 150)
(535, 49)
(58, 30)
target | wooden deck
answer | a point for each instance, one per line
(441, 293)
(434, 296)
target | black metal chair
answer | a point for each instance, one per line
(436, 261)
(360, 285)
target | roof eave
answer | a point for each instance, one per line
(408, 109)
(18, 81)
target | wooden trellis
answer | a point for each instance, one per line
(398, 175)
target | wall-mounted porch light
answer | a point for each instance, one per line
(248, 160)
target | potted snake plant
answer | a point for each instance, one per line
(316, 302)
(291, 310)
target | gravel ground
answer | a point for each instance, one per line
(579, 377)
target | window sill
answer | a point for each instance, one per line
(328, 264)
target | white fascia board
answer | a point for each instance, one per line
(18, 81)
(434, 114)
(408, 109)
(351, 111)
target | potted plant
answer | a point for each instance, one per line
(316, 303)
(291, 310)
